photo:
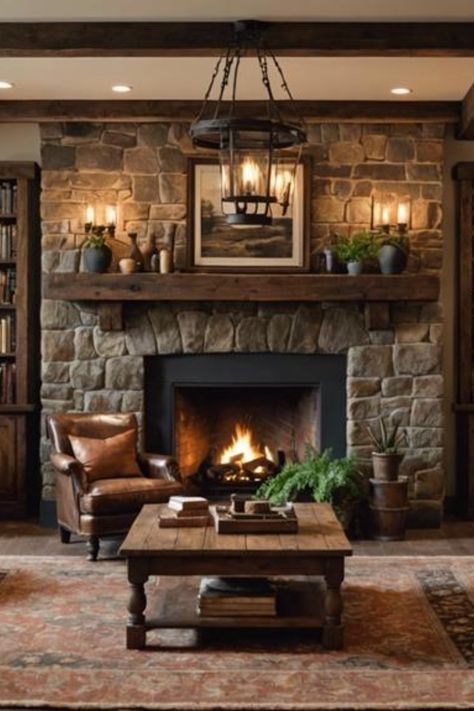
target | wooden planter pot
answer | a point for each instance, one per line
(389, 509)
(386, 466)
(389, 494)
(389, 524)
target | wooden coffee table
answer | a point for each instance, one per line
(318, 549)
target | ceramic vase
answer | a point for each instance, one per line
(392, 259)
(354, 267)
(97, 259)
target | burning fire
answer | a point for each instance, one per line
(242, 449)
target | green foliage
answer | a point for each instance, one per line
(356, 248)
(97, 238)
(388, 439)
(324, 478)
(395, 239)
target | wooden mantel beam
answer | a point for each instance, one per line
(147, 111)
(192, 39)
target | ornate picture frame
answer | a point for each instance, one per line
(213, 245)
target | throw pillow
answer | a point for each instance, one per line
(107, 458)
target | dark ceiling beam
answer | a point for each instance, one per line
(311, 111)
(466, 126)
(192, 39)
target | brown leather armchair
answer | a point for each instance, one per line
(106, 505)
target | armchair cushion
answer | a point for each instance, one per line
(108, 496)
(109, 458)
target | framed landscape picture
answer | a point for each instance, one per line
(215, 245)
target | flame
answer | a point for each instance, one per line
(242, 449)
(250, 176)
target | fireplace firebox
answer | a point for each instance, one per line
(231, 420)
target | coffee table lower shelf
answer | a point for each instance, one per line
(299, 604)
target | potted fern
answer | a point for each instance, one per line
(386, 457)
(321, 478)
(355, 250)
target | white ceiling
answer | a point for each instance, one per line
(186, 78)
(323, 78)
(193, 10)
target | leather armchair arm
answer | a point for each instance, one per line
(65, 464)
(159, 466)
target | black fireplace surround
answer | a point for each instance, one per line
(312, 386)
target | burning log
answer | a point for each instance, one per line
(221, 472)
(259, 468)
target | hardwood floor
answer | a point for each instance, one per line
(453, 538)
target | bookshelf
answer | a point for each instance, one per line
(20, 239)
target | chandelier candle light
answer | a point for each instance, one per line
(258, 156)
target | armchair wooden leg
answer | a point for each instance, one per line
(64, 534)
(92, 548)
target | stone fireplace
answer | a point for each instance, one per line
(392, 364)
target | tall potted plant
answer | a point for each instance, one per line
(393, 253)
(97, 253)
(321, 478)
(386, 457)
(356, 249)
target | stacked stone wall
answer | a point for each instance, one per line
(394, 371)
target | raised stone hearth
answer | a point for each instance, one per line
(393, 363)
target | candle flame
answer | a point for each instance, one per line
(250, 175)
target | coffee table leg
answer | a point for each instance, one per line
(333, 630)
(136, 630)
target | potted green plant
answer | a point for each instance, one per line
(97, 253)
(393, 252)
(322, 478)
(354, 250)
(386, 457)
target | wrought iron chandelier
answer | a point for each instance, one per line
(258, 156)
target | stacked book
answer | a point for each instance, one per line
(186, 511)
(236, 597)
(7, 383)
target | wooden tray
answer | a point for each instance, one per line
(226, 522)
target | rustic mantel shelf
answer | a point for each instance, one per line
(240, 287)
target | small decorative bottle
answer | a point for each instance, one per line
(147, 250)
(135, 252)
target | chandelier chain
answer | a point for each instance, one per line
(286, 88)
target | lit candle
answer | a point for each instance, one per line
(90, 215)
(111, 215)
(250, 176)
(402, 213)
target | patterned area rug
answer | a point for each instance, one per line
(409, 644)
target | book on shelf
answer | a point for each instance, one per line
(7, 334)
(8, 197)
(7, 286)
(8, 241)
(7, 383)
(247, 597)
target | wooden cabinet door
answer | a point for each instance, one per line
(12, 493)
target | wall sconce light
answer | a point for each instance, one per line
(110, 219)
(390, 211)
